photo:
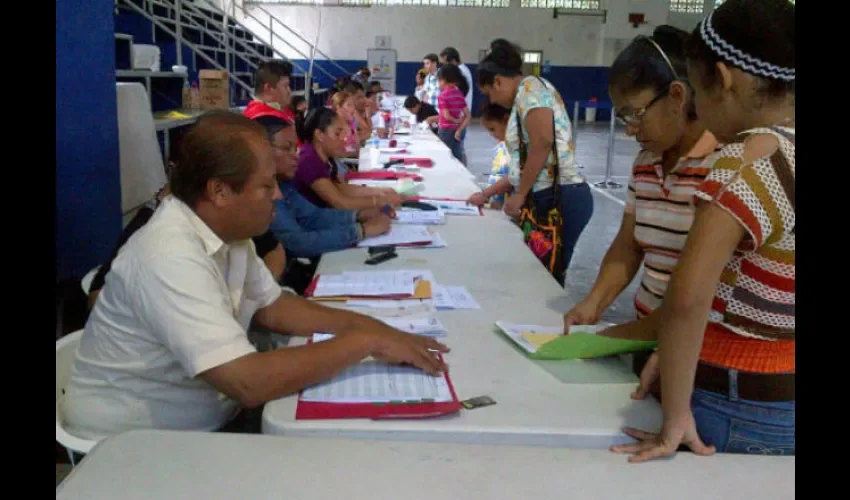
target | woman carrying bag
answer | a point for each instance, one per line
(551, 200)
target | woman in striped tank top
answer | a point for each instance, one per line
(726, 332)
(654, 101)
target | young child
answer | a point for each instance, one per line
(424, 112)
(454, 114)
(495, 119)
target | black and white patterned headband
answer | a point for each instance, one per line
(738, 58)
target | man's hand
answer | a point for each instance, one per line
(367, 214)
(396, 347)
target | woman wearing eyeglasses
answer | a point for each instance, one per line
(656, 104)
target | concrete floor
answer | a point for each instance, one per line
(591, 154)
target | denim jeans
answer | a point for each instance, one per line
(456, 146)
(735, 425)
(576, 210)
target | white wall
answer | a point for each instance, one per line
(347, 32)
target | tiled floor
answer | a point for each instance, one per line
(591, 154)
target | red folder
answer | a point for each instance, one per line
(419, 162)
(382, 175)
(311, 410)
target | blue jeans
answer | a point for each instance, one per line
(576, 210)
(456, 146)
(735, 425)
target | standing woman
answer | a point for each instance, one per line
(727, 327)
(538, 138)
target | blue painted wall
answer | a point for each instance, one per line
(574, 82)
(88, 192)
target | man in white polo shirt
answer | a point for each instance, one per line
(162, 347)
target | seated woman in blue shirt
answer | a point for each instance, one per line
(304, 229)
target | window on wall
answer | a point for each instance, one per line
(561, 4)
(687, 6)
(395, 3)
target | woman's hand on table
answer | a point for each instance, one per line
(676, 430)
(392, 199)
(377, 226)
(584, 313)
(648, 377)
(478, 199)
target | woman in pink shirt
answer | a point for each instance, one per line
(454, 113)
(343, 104)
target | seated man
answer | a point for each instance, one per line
(268, 248)
(272, 92)
(425, 113)
(162, 348)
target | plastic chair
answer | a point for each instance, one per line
(65, 349)
(88, 278)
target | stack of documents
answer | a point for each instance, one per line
(423, 217)
(454, 207)
(400, 235)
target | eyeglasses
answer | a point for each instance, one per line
(636, 117)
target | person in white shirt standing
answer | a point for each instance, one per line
(450, 55)
(163, 348)
(431, 87)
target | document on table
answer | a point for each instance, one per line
(437, 242)
(454, 207)
(392, 308)
(375, 382)
(516, 333)
(400, 234)
(453, 297)
(401, 274)
(363, 285)
(433, 217)
(419, 325)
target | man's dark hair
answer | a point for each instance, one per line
(217, 146)
(451, 55)
(271, 72)
(411, 102)
(432, 57)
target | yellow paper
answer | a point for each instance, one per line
(175, 115)
(538, 339)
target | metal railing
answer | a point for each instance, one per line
(196, 16)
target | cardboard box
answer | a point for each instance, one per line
(215, 89)
(192, 98)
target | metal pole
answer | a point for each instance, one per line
(178, 15)
(607, 183)
(575, 131)
(227, 55)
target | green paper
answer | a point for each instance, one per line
(586, 345)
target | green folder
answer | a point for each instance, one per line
(587, 345)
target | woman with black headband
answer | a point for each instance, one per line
(727, 327)
(649, 89)
(548, 187)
